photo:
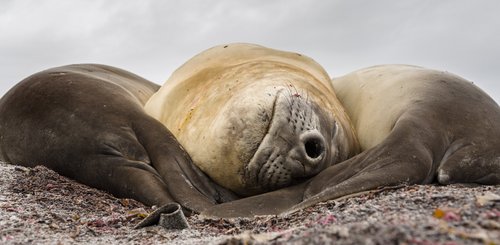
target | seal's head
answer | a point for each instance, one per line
(255, 119)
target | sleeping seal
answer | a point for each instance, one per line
(414, 126)
(87, 122)
(255, 119)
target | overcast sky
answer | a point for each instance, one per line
(153, 38)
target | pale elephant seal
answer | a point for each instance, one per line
(255, 119)
(414, 125)
(87, 122)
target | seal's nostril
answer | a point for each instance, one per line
(314, 147)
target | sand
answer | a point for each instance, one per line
(37, 206)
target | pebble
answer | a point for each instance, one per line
(14, 218)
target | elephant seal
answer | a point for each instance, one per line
(414, 126)
(87, 122)
(255, 119)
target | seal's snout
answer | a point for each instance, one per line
(308, 156)
(313, 144)
(295, 147)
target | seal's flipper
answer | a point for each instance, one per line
(185, 183)
(133, 179)
(456, 167)
(391, 175)
(399, 159)
(270, 203)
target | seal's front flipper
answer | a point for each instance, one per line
(270, 203)
(456, 168)
(187, 185)
(399, 159)
(392, 175)
(132, 179)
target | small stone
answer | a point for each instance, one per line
(54, 226)
(488, 197)
(14, 218)
(21, 169)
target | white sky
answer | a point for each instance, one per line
(152, 38)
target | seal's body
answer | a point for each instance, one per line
(87, 122)
(255, 119)
(415, 126)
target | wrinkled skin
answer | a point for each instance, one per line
(255, 119)
(87, 122)
(415, 126)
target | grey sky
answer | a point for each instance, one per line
(152, 38)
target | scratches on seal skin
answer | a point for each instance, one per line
(300, 118)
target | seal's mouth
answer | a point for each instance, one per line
(293, 147)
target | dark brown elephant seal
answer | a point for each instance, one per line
(87, 122)
(414, 125)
